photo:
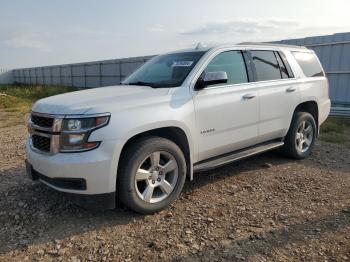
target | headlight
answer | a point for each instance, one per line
(83, 124)
(76, 131)
(74, 124)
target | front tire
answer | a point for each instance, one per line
(152, 174)
(301, 136)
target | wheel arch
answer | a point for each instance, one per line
(311, 107)
(173, 133)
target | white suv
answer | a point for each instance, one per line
(180, 113)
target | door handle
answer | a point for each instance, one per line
(291, 89)
(248, 96)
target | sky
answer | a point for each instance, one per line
(49, 32)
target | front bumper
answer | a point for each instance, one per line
(86, 173)
(94, 202)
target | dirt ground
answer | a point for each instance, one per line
(266, 208)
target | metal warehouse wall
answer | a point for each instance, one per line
(334, 54)
(86, 75)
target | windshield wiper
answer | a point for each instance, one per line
(140, 83)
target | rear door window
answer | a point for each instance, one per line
(309, 64)
(266, 65)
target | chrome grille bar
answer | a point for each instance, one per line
(45, 132)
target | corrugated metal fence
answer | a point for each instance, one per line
(6, 76)
(85, 75)
(333, 51)
(334, 54)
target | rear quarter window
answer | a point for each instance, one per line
(309, 64)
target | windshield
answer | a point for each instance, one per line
(165, 70)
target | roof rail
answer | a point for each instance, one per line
(272, 44)
(200, 45)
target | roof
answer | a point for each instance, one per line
(272, 45)
(204, 48)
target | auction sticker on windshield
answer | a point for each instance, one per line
(182, 63)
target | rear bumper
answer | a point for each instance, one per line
(324, 110)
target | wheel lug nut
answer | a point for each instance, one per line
(157, 168)
(153, 182)
(158, 179)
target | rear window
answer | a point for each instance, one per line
(309, 64)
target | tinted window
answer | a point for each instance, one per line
(266, 65)
(232, 62)
(285, 62)
(283, 69)
(309, 64)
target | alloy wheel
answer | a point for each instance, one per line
(304, 136)
(156, 177)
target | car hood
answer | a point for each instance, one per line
(100, 100)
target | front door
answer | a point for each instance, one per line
(226, 114)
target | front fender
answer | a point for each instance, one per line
(167, 124)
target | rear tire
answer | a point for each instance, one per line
(301, 136)
(152, 174)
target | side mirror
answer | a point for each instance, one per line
(212, 78)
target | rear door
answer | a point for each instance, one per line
(278, 93)
(226, 114)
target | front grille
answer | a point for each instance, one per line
(42, 121)
(41, 143)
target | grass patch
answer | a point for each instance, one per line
(19, 95)
(12, 103)
(17, 100)
(336, 130)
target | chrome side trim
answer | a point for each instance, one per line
(59, 116)
(235, 156)
(87, 116)
(33, 126)
(54, 143)
(38, 133)
(43, 115)
(56, 127)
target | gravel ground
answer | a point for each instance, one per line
(267, 208)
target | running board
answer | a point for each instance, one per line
(235, 156)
